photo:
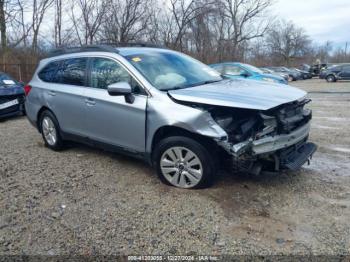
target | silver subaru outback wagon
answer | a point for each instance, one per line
(169, 109)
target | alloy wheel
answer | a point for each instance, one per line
(181, 167)
(49, 131)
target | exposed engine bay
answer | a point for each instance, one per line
(242, 124)
(275, 138)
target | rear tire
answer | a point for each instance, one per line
(183, 162)
(50, 131)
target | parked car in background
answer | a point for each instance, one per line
(315, 70)
(240, 70)
(11, 97)
(338, 72)
(323, 71)
(269, 71)
(306, 67)
(304, 74)
(297, 73)
(293, 75)
(170, 110)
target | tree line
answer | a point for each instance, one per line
(210, 30)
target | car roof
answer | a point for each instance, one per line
(228, 63)
(124, 51)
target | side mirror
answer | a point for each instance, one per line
(245, 74)
(119, 89)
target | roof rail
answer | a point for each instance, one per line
(86, 48)
(132, 44)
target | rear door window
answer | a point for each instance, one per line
(72, 71)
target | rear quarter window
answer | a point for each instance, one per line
(68, 71)
(49, 72)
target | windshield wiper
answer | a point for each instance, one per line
(192, 85)
(173, 88)
(205, 83)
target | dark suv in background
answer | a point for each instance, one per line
(335, 73)
(293, 75)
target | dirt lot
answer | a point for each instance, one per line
(86, 201)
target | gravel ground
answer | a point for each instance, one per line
(85, 201)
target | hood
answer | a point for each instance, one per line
(240, 93)
(8, 90)
(272, 76)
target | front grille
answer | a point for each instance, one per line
(4, 99)
(14, 108)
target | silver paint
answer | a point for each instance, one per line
(93, 113)
(240, 93)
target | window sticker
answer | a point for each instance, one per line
(136, 59)
(8, 82)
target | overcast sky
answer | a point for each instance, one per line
(322, 19)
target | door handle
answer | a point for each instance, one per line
(90, 101)
(52, 93)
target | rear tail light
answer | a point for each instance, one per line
(27, 89)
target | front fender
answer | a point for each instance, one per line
(162, 113)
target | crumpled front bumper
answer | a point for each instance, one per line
(296, 156)
(289, 151)
(274, 143)
(267, 144)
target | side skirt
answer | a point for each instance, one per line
(104, 146)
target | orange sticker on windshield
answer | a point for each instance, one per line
(136, 59)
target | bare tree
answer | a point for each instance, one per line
(10, 11)
(3, 24)
(244, 21)
(341, 54)
(182, 13)
(127, 20)
(287, 42)
(58, 23)
(38, 12)
(88, 23)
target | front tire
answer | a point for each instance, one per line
(330, 78)
(183, 162)
(50, 131)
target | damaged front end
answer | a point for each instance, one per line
(273, 140)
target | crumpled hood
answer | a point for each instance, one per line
(240, 93)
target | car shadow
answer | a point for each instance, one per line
(235, 193)
(11, 118)
(225, 177)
